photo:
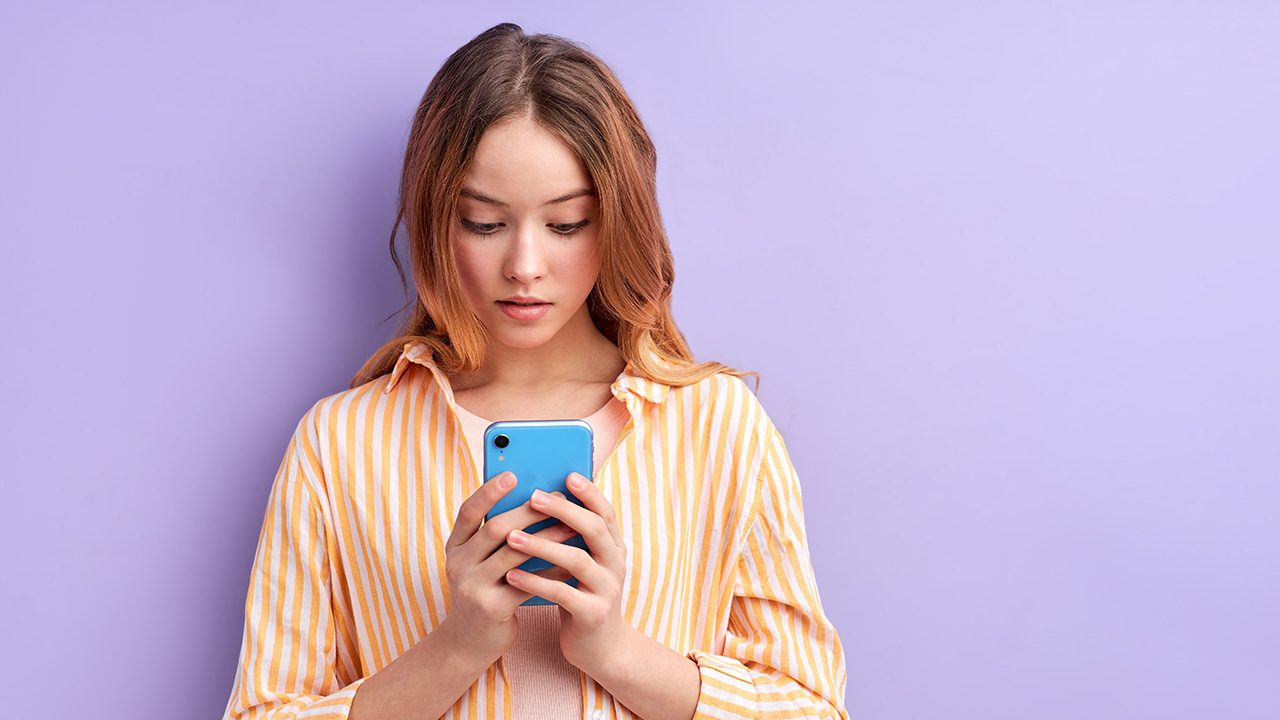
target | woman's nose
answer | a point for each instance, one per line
(526, 261)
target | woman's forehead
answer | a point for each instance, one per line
(519, 161)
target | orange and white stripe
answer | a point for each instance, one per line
(349, 571)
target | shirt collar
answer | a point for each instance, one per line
(627, 383)
(414, 353)
(631, 383)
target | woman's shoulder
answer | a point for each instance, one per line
(717, 388)
(718, 398)
(410, 386)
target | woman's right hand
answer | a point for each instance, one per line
(481, 619)
(480, 625)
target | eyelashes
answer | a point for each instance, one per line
(479, 228)
(569, 228)
(565, 229)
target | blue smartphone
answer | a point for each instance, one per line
(541, 453)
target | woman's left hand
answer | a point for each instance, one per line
(592, 630)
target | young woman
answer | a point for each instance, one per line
(543, 282)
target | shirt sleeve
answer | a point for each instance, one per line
(782, 658)
(287, 657)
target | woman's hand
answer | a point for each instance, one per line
(592, 631)
(647, 677)
(430, 676)
(481, 619)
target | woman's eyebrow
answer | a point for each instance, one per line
(480, 197)
(468, 192)
(570, 196)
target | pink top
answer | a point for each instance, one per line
(543, 683)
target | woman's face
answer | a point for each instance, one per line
(525, 234)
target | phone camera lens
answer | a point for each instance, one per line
(502, 441)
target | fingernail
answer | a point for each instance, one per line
(507, 481)
(540, 499)
(516, 537)
(576, 481)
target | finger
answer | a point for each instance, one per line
(472, 511)
(557, 591)
(510, 596)
(554, 573)
(596, 502)
(593, 527)
(491, 574)
(491, 539)
(509, 556)
(573, 559)
(513, 596)
(522, 517)
(493, 534)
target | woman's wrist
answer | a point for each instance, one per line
(649, 678)
(607, 659)
(425, 681)
(455, 644)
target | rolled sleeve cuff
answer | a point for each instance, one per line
(336, 706)
(727, 692)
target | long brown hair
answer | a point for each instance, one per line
(505, 73)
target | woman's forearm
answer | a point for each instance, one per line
(650, 679)
(424, 682)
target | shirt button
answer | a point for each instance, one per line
(597, 715)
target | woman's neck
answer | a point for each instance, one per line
(567, 377)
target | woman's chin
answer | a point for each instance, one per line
(524, 339)
(540, 333)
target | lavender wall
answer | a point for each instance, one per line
(1009, 271)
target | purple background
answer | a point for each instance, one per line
(1009, 271)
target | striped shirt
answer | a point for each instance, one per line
(349, 571)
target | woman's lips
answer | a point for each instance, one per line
(524, 309)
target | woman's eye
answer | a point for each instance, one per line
(569, 228)
(480, 228)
